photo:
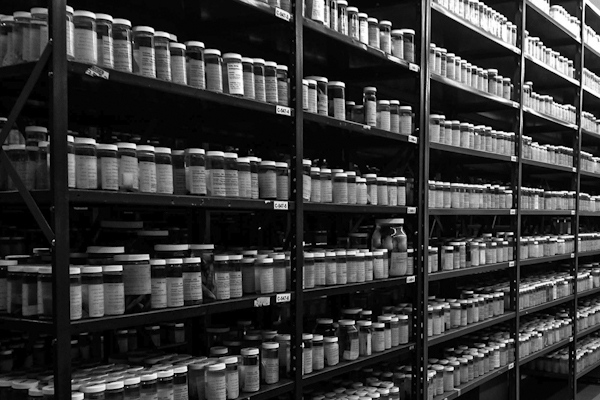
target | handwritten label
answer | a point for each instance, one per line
(281, 110)
(284, 15)
(511, 264)
(513, 158)
(411, 210)
(262, 302)
(413, 67)
(410, 279)
(513, 211)
(511, 365)
(96, 72)
(280, 205)
(283, 298)
(412, 139)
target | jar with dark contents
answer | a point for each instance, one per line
(175, 282)
(271, 85)
(231, 175)
(122, 39)
(282, 85)
(108, 167)
(180, 382)
(195, 64)
(248, 74)
(132, 388)
(164, 170)
(259, 79)
(254, 186)
(149, 386)
(15, 278)
(95, 391)
(114, 294)
(192, 281)
(143, 51)
(136, 281)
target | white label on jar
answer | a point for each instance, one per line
(364, 31)
(29, 299)
(71, 170)
(326, 191)
(259, 88)
(306, 187)
(398, 263)
(231, 183)
(180, 392)
(143, 58)
(214, 77)
(282, 187)
(318, 358)
(332, 354)
(254, 183)
(3, 294)
(216, 387)
(235, 78)
(222, 286)
(76, 302)
(192, 286)
(163, 64)
(315, 187)
(339, 108)
(370, 113)
(270, 370)
(271, 89)
(165, 392)
(235, 284)
(159, 293)
(216, 183)
(179, 183)
(279, 280)
(250, 375)
(245, 184)
(85, 46)
(136, 279)
(70, 39)
(128, 173)
(233, 384)
(318, 13)
(164, 178)
(195, 72)
(312, 100)
(322, 103)
(307, 361)
(93, 300)
(147, 176)
(196, 180)
(267, 184)
(105, 51)
(109, 172)
(266, 280)
(282, 92)
(114, 299)
(305, 97)
(174, 292)
(249, 85)
(178, 70)
(122, 54)
(86, 172)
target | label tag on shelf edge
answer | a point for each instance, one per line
(281, 110)
(262, 302)
(367, 127)
(511, 264)
(511, 365)
(412, 139)
(574, 169)
(283, 298)
(571, 339)
(411, 210)
(280, 205)
(572, 212)
(513, 158)
(393, 58)
(572, 255)
(284, 15)
(513, 211)
(410, 279)
(96, 72)
(413, 67)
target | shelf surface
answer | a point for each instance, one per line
(478, 211)
(544, 306)
(358, 209)
(438, 276)
(537, 119)
(481, 155)
(588, 293)
(348, 366)
(541, 260)
(474, 384)
(455, 333)
(549, 78)
(547, 167)
(326, 291)
(548, 212)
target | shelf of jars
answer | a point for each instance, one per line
(545, 350)
(548, 212)
(447, 21)
(462, 151)
(543, 306)
(539, 22)
(359, 209)
(588, 331)
(349, 127)
(361, 362)
(474, 384)
(455, 333)
(548, 166)
(325, 291)
(542, 260)
(589, 213)
(471, 211)
(588, 253)
(590, 174)
(442, 275)
(538, 119)
(550, 76)
(284, 14)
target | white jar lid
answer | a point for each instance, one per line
(195, 151)
(132, 257)
(104, 17)
(372, 20)
(112, 268)
(267, 163)
(146, 29)
(215, 154)
(145, 147)
(194, 43)
(282, 67)
(83, 140)
(109, 147)
(234, 56)
(337, 83)
(212, 52)
(180, 46)
(271, 64)
(259, 61)
(122, 21)
(162, 35)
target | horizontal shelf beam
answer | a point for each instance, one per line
(546, 305)
(326, 291)
(456, 333)
(474, 384)
(438, 276)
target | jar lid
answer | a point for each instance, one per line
(132, 257)
(41, 10)
(221, 257)
(175, 45)
(372, 19)
(405, 108)
(281, 165)
(108, 147)
(230, 155)
(22, 384)
(346, 322)
(363, 323)
(194, 43)
(387, 23)
(122, 21)
(370, 89)
(132, 380)
(270, 345)
(337, 83)
(34, 128)
(158, 262)
(212, 52)
(271, 64)
(259, 61)
(165, 373)
(83, 140)
(7, 263)
(115, 385)
(234, 56)
(131, 146)
(384, 102)
(249, 351)
(307, 336)
(282, 67)
(162, 35)
(409, 31)
(378, 325)
(267, 163)
(171, 247)
(91, 270)
(77, 13)
(146, 29)
(97, 388)
(174, 261)
(112, 268)
(192, 260)
(195, 151)
(143, 147)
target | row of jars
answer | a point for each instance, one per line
(591, 38)
(591, 81)
(588, 313)
(589, 241)
(588, 202)
(446, 314)
(546, 246)
(540, 289)
(466, 362)
(546, 153)
(472, 252)
(23, 35)
(482, 16)
(590, 163)
(347, 20)
(592, 275)
(540, 331)
(325, 185)
(540, 199)
(545, 104)
(387, 381)
(587, 354)
(589, 122)
(464, 196)
(535, 48)
(470, 136)
(453, 67)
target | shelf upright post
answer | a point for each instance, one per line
(60, 199)
(297, 254)
(519, 78)
(422, 282)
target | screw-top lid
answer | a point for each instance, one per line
(104, 17)
(249, 351)
(145, 29)
(122, 21)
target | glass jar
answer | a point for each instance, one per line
(370, 105)
(92, 289)
(283, 186)
(121, 41)
(216, 176)
(214, 70)
(85, 37)
(405, 113)
(177, 53)
(259, 80)
(192, 281)
(250, 370)
(307, 353)
(221, 282)
(233, 74)
(373, 31)
(143, 51)
(270, 362)
(282, 85)
(365, 338)
(231, 175)
(195, 166)
(336, 93)
(114, 291)
(349, 342)
(248, 76)
(162, 56)
(85, 162)
(383, 115)
(137, 281)
(353, 23)
(271, 85)
(267, 180)
(216, 382)
(195, 69)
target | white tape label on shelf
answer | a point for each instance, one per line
(367, 127)
(96, 72)
(283, 298)
(284, 15)
(410, 279)
(393, 58)
(413, 67)
(262, 302)
(411, 210)
(280, 205)
(574, 169)
(572, 255)
(511, 264)
(281, 110)
(572, 212)
(511, 365)
(513, 211)
(513, 158)
(412, 139)
(571, 339)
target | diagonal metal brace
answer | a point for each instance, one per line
(27, 89)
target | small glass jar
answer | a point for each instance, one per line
(259, 79)
(162, 56)
(282, 85)
(270, 363)
(405, 120)
(216, 382)
(336, 92)
(370, 105)
(177, 53)
(385, 36)
(267, 180)
(349, 342)
(271, 84)
(373, 31)
(143, 51)
(85, 163)
(85, 37)
(250, 370)
(121, 41)
(213, 63)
